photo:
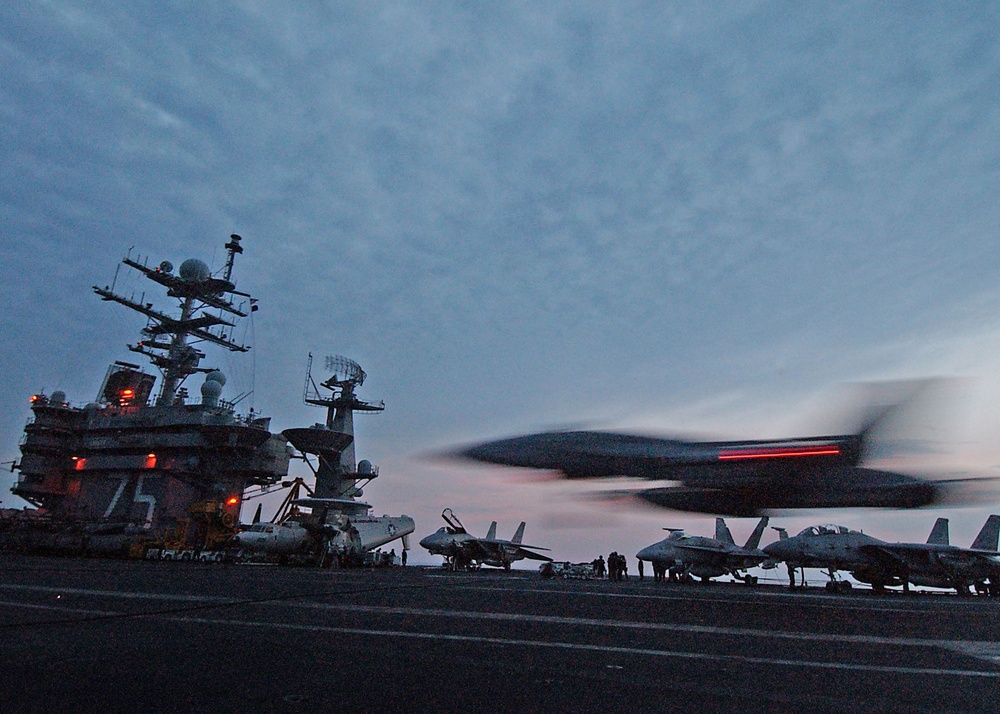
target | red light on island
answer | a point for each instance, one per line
(150, 461)
(232, 501)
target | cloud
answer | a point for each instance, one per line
(510, 215)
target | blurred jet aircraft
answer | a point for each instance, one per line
(461, 549)
(738, 478)
(686, 555)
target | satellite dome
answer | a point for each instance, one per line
(365, 467)
(216, 376)
(194, 270)
(166, 266)
(210, 391)
(58, 397)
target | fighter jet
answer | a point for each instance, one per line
(738, 478)
(743, 478)
(461, 549)
(870, 560)
(833, 548)
(938, 564)
(685, 555)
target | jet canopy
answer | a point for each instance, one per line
(828, 529)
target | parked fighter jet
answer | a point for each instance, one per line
(938, 564)
(833, 548)
(461, 549)
(739, 478)
(686, 555)
(870, 560)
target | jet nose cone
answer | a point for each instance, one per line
(504, 451)
(646, 553)
(426, 542)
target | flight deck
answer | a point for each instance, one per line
(154, 636)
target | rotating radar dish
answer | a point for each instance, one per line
(345, 372)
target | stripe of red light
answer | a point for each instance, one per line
(778, 452)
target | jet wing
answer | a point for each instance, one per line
(343, 505)
(497, 549)
(510, 543)
(523, 553)
(923, 553)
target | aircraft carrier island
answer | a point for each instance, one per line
(141, 470)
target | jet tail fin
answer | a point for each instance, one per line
(722, 532)
(518, 534)
(990, 534)
(491, 534)
(939, 533)
(753, 542)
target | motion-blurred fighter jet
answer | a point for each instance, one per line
(685, 555)
(737, 478)
(461, 549)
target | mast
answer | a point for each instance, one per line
(197, 291)
(337, 474)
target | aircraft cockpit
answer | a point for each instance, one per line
(261, 528)
(678, 535)
(827, 529)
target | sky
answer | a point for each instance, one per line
(672, 217)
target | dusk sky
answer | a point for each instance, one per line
(677, 218)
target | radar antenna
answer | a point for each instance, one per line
(166, 342)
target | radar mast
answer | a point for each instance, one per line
(333, 442)
(197, 291)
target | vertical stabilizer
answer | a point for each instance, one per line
(988, 536)
(753, 542)
(939, 533)
(518, 534)
(722, 532)
(782, 533)
(491, 534)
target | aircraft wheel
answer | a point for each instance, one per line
(750, 580)
(845, 586)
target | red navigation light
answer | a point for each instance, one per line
(778, 452)
(80, 463)
(150, 461)
(34, 398)
(232, 501)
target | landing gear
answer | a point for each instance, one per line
(842, 586)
